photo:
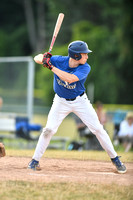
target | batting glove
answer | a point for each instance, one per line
(46, 60)
(47, 55)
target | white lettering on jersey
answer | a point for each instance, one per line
(66, 84)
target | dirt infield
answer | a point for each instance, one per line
(64, 170)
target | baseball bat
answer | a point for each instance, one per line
(56, 30)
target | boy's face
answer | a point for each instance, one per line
(84, 58)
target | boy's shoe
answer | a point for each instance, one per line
(34, 165)
(121, 168)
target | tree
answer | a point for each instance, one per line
(105, 25)
(36, 32)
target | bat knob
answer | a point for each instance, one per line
(38, 59)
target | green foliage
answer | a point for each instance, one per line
(105, 60)
(105, 25)
(18, 41)
(3, 43)
(102, 59)
(44, 79)
(14, 44)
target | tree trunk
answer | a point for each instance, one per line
(30, 24)
(36, 34)
(41, 26)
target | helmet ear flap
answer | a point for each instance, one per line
(77, 57)
(74, 54)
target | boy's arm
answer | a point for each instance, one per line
(65, 76)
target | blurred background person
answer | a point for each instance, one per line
(1, 102)
(88, 139)
(101, 113)
(125, 134)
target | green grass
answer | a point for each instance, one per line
(78, 155)
(21, 190)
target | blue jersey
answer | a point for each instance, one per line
(64, 89)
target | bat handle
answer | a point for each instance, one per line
(52, 44)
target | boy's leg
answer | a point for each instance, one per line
(56, 115)
(88, 115)
(86, 112)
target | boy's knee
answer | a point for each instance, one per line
(98, 130)
(47, 132)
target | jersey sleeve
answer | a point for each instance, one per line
(54, 59)
(82, 71)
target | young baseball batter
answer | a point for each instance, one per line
(70, 73)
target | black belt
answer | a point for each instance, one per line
(75, 97)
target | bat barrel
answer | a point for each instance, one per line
(56, 30)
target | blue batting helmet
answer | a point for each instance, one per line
(76, 48)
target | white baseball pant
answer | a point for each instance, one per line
(82, 107)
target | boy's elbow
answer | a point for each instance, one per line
(73, 79)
